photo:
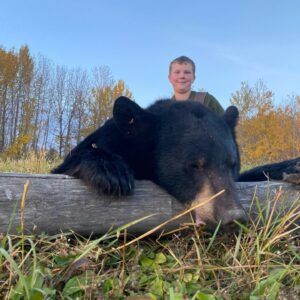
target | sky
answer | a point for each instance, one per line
(230, 41)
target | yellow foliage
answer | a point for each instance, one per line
(101, 104)
(269, 136)
(16, 149)
(8, 67)
(266, 133)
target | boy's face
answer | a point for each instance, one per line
(181, 77)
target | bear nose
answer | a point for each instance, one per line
(228, 222)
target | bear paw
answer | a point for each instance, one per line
(104, 171)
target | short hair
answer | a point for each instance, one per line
(181, 60)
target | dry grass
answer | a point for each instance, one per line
(29, 163)
(262, 261)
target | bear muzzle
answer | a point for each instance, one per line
(224, 208)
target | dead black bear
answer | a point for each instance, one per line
(288, 170)
(181, 146)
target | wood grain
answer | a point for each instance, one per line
(56, 203)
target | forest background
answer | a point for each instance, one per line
(50, 108)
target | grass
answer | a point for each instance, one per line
(262, 261)
(29, 163)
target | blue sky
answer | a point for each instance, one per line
(230, 41)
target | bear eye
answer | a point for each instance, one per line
(198, 164)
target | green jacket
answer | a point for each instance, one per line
(207, 100)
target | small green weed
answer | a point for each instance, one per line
(261, 261)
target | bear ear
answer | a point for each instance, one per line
(130, 118)
(231, 116)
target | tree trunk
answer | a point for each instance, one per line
(56, 203)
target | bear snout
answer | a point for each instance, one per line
(225, 209)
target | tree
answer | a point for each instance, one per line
(8, 73)
(252, 100)
(265, 133)
(78, 91)
(43, 105)
(60, 104)
(40, 91)
(101, 103)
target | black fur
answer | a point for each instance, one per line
(182, 146)
(276, 171)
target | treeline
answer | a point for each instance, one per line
(44, 106)
(266, 132)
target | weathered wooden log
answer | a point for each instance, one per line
(56, 203)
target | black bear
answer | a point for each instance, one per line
(181, 146)
(288, 170)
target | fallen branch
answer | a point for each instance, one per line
(56, 203)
